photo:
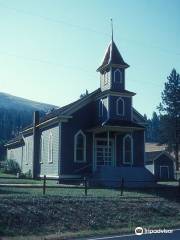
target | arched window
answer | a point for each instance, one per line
(128, 149)
(50, 148)
(120, 106)
(80, 147)
(26, 151)
(118, 76)
(41, 153)
(100, 108)
(11, 155)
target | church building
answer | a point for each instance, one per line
(100, 135)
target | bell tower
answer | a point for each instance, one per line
(112, 68)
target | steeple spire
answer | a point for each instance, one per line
(111, 29)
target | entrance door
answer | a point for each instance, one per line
(103, 155)
(164, 172)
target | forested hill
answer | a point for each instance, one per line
(16, 113)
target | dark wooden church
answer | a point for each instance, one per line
(100, 135)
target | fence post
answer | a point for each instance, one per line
(85, 186)
(122, 186)
(179, 186)
(44, 185)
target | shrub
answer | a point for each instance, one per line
(26, 175)
(12, 167)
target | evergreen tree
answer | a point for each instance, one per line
(155, 127)
(170, 112)
(84, 94)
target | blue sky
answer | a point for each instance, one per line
(50, 50)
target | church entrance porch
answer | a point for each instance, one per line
(104, 152)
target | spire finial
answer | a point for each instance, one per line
(112, 29)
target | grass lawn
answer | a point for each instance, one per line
(66, 212)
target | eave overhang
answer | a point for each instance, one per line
(118, 129)
(47, 123)
(102, 68)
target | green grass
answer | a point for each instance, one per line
(168, 192)
(65, 212)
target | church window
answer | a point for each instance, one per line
(120, 107)
(50, 148)
(80, 147)
(118, 76)
(41, 157)
(26, 151)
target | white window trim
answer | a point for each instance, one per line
(121, 80)
(75, 146)
(26, 152)
(101, 106)
(124, 139)
(41, 149)
(163, 166)
(50, 141)
(117, 108)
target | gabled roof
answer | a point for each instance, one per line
(18, 140)
(152, 156)
(112, 56)
(69, 109)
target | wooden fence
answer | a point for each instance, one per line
(78, 183)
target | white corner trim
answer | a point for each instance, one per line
(60, 149)
(132, 155)
(80, 132)
(26, 152)
(41, 149)
(100, 108)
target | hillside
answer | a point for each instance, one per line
(10, 102)
(15, 114)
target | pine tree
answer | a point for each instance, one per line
(155, 127)
(170, 112)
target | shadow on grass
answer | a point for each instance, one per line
(168, 192)
(9, 192)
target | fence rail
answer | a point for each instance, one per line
(76, 183)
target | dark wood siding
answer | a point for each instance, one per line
(163, 160)
(127, 108)
(83, 119)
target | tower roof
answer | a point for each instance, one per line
(112, 57)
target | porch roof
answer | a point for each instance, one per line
(117, 125)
